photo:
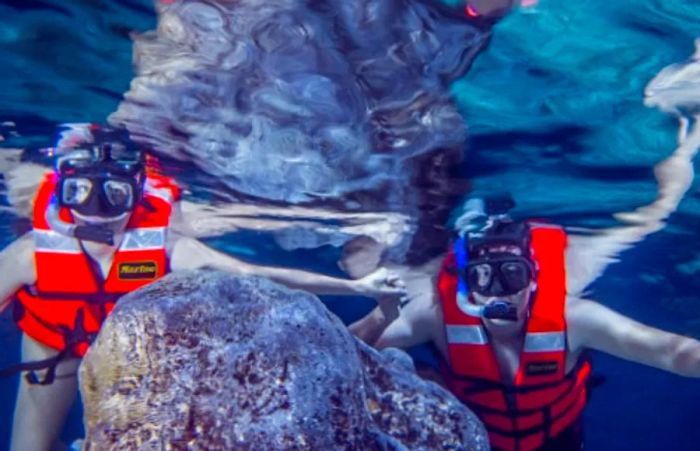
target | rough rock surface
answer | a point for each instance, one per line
(208, 361)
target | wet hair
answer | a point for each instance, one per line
(502, 232)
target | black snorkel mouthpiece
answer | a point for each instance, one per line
(500, 309)
(95, 233)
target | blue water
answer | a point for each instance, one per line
(555, 115)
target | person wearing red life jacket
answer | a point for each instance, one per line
(511, 272)
(505, 312)
(102, 227)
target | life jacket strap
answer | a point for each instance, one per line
(72, 337)
(32, 378)
(98, 298)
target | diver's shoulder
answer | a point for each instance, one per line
(588, 320)
(577, 315)
(578, 306)
(18, 257)
(173, 242)
(22, 246)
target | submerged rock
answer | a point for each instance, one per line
(206, 360)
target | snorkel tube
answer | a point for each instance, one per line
(88, 232)
(473, 211)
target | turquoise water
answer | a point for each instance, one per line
(574, 73)
(555, 112)
(555, 116)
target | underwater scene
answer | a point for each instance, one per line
(351, 138)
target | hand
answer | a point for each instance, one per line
(389, 290)
(390, 306)
(382, 283)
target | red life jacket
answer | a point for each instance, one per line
(544, 400)
(69, 301)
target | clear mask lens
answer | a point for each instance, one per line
(76, 190)
(481, 275)
(119, 194)
(500, 277)
(516, 274)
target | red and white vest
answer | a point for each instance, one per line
(69, 301)
(544, 400)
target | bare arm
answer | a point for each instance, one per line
(591, 325)
(16, 267)
(371, 326)
(21, 182)
(587, 256)
(380, 331)
(188, 253)
(672, 91)
(419, 321)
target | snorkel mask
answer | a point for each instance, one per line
(105, 181)
(487, 268)
(101, 183)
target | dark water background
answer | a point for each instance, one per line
(555, 114)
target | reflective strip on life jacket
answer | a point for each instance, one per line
(50, 241)
(472, 335)
(143, 239)
(534, 342)
(545, 342)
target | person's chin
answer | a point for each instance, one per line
(502, 324)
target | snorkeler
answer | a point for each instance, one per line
(512, 340)
(505, 309)
(101, 223)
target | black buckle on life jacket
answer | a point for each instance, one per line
(50, 364)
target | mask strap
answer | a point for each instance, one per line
(462, 259)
